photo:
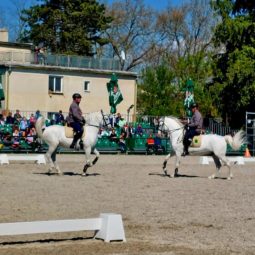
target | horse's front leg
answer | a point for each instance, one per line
(165, 163)
(177, 164)
(88, 163)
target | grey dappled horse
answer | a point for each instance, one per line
(55, 136)
(211, 144)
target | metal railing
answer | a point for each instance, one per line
(60, 60)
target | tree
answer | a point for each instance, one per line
(158, 94)
(234, 80)
(66, 26)
(132, 32)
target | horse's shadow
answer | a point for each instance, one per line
(69, 173)
(176, 176)
(187, 176)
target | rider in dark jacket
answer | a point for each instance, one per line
(193, 128)
(75, 119)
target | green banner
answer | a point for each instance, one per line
(189, 98)
(115, 96)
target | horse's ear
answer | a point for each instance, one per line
(102, 112)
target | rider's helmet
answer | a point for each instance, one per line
(76, 95)
(194, 105)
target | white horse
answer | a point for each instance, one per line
(211, 144)
(55, 135)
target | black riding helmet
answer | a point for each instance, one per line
(194, 105)
(76, 95)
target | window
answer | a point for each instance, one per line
(55, 84)
(86, 86)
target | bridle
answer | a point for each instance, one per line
(167, 131)
(105, 124)
(104, 120)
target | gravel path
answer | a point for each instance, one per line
(186, 215)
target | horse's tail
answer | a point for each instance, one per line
(38, 126)
(237, 141)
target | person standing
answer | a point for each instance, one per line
(75, 119)
(59, 118)
(193, 128)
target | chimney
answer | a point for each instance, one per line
(4, 35)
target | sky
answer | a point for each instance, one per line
(7, 8)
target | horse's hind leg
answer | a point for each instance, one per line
(54, 159)
(51, 156)
(218, 166)
(227, 163)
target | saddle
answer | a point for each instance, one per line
(196, 141)
(69, 133)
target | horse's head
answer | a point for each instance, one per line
(105, 120)
(162, 128)
(169, 125)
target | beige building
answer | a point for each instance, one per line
(45, 82)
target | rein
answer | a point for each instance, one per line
(104, 121)
(169, 132)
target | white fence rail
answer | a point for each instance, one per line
(108, 226)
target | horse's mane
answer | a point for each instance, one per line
(175, 119)
(92, 117)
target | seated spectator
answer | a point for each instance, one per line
(104, 132)
(113, 136)
(17, 117)
(122, 142)
(23, 125)
(121, 122)
(59, 118)
(158, 146)
(150, 144)
(37, 114)
(15, 140)
(31, 138)
(139, 130)
(130, 131)
(32, 120)
(7, 139)
(10, 119)
(117, 119)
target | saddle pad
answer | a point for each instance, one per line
(196, 141)
(69, 132)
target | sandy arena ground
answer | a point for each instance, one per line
(186, 215)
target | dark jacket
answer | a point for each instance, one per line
(75, 114)
(196, 121)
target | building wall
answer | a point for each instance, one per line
(27, 90)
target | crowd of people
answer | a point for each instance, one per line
(18, 132)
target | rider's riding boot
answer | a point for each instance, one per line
(186, 148)
(75, 140)
(81, 144)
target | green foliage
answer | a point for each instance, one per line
(234, 68)
(162, 89)
(158, 94)
(66, 26)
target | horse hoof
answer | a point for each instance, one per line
(165, 172)
(172, 176)
(211, 177)
(84, 174)
(229, 178)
